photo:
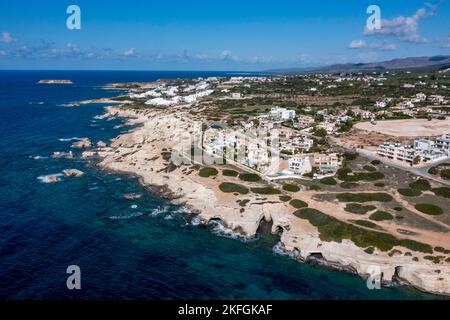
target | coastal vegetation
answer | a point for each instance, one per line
(358, 208)
(229, 173)
(230, 187)
(407, 192)
(364, 197)
(285, 198)
(381, 216)
(249, 177)
(265, 190)
(207, 172)
(349, 185)
(296, 203)
(330, 181)
(420, 184)
(332, 229)
(365, 223)
(429, 208)
(291, 187)
(442, 192)
(346, 174)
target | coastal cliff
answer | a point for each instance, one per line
(143, 152)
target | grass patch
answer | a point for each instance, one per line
(265, 190)
(429, 208)
(207, 172)
(445, 174)
(229, 173)
(285, 198)
(349, 185)
(331, 229)
(381, 216)
(358, 208)
(364, 197)
(346, 174)
(409, 192)
(442, 192)
(370, 168)
(420, 184)
(249, 177)
(291, 187)
(314, 187)
(296, 203)
(229, 187)
(416, 246)
(329, 181)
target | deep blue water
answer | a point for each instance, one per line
(44, 228)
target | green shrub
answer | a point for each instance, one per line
(265, 190)
(429, 208)
(420, 184)
(433, 170)
(346, 174)
(250, 177)
(291, 187)
(207, 172)
(332, 229)
(416, 246)
(229, 187)
(328, 181)
(445, 174)
(314, 187)
(244, 202)
(369, 250)
(364, 197)
(379, 184)
(349, 185)
(442, 250)
(285, 198)
(166, 155)
(370, 168)
(398, 208)
(442, 192)
(358, 208)
(380, 216)
(296, 203)
(230, 173)
(409, 192)
(376, 162)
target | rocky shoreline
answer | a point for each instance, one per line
(140, 152)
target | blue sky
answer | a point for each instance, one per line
(216, 35)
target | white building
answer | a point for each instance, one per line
(282, 113)
(443, 143)
(396, 151)
(423, 145)
(380, 104)
(300, 165)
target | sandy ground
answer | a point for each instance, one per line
(408, 128)
(139, 153)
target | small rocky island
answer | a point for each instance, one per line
(52, 81)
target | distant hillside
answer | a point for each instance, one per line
(431, 63)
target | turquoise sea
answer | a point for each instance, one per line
(144, 248)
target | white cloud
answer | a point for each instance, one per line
(227, 55)
(446, 42)
(357, 44)
(7, 38)
(130, 52)
(403, 28)
(361, 44)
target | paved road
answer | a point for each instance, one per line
(420, 171)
